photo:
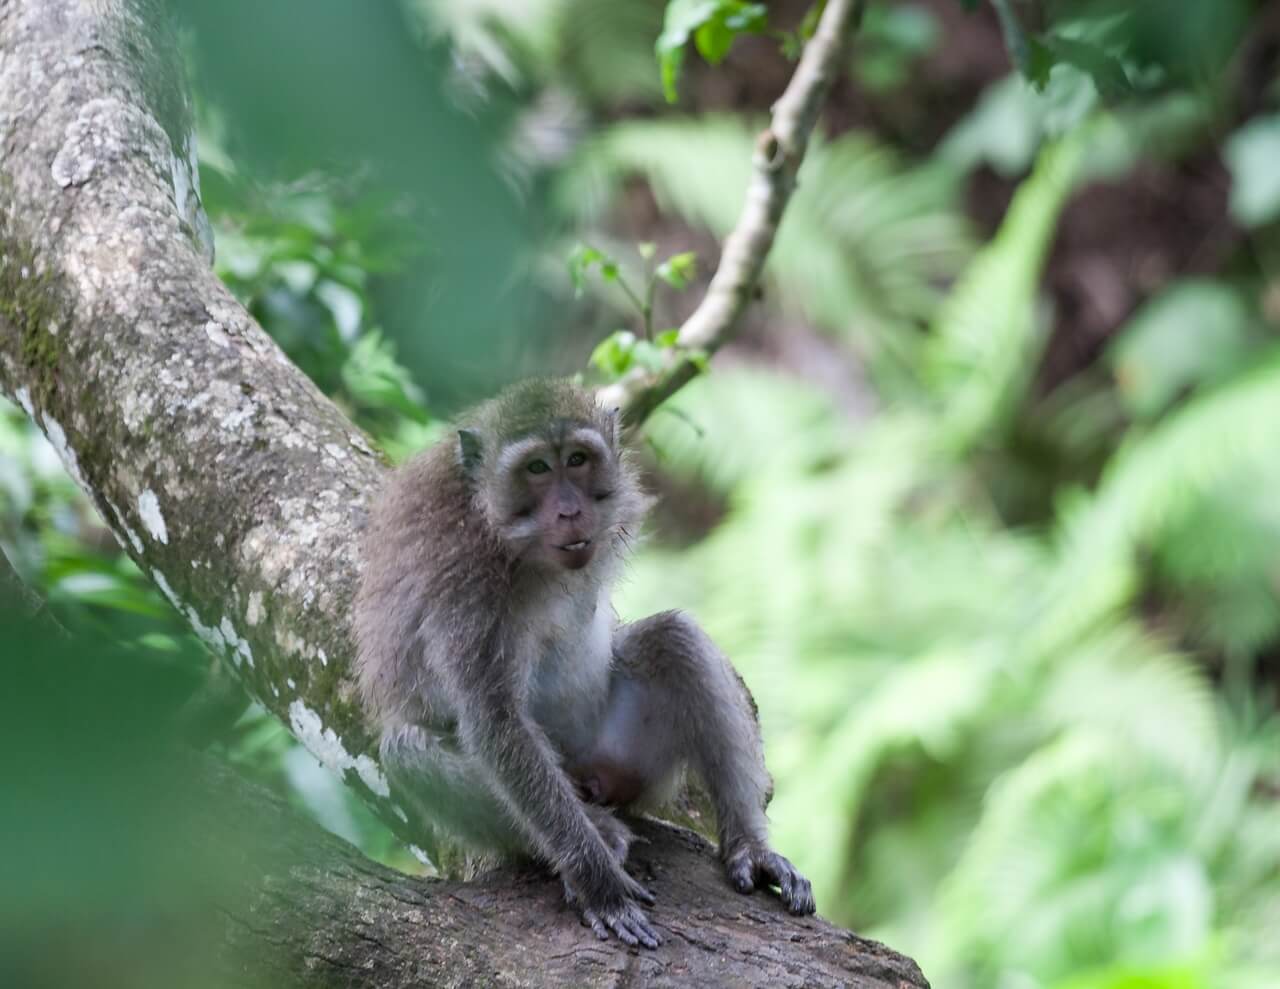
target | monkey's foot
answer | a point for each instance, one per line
(627, 921)
(752, 864)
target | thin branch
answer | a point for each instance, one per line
(780, 150)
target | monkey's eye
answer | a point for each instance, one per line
(538, 467)
(576, 459)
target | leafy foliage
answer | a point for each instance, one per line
(1031, 746)
(996, 742)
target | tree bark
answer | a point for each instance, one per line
(323, 914)
(240, 489)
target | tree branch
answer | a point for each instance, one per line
(240, 489)
(317, 911)
(780, 151)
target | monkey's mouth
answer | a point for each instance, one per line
(575, 555)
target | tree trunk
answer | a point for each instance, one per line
(240, 489)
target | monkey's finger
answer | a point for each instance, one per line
(639, 892)
(640, 926)
(590, 919)
(617, 923)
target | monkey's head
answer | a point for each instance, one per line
(548, 470)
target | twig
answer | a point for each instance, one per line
(780, 149)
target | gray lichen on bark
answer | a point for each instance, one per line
(224, 473)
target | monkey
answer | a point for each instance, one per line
(518, 715)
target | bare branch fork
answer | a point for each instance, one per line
(240, 489)
(780, 150)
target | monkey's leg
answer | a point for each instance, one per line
(447, 789)
(675, 699)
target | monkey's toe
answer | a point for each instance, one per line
(801, 902)
(753, 866)
(742, 873)
(795, 890)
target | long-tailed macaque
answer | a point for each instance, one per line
(517, 713)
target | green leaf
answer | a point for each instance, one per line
(713, 24)
(1106, 71)
(713, 41)
(669, 62)
(1039, 63)
(1193, 332)
(746, 17)
(1252, 153)
(667, 338)
(679, 269)
(373, 377)
(582, 259)
(614, 354)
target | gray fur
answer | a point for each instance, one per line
(489, 653)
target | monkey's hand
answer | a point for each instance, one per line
(624, 918)
(619, 914)
(527, 771)
(615, 834)
(752, 864)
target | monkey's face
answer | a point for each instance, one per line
(557, 495)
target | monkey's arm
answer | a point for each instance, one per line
(526, 776)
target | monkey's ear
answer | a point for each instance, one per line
(613, 427)
(469, 452)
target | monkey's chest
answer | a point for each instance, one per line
(571, 678)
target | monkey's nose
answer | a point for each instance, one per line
(570, 511)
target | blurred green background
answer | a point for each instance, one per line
(982, 500)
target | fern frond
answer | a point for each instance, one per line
(1156, 701)
(984, 340)
(792, 427)
(1209, 442)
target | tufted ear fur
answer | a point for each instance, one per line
(612, 427)
(469, 450)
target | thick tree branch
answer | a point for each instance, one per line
(319, 911)
(780, 151)
(240, 489)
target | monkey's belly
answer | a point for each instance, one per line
(571, 682)
(631, 758)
